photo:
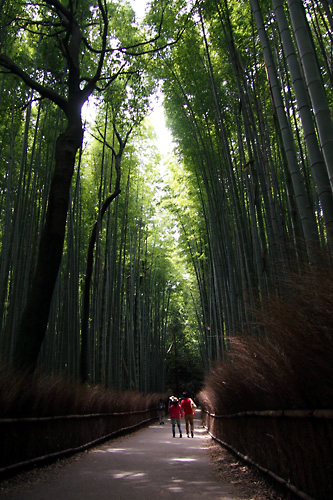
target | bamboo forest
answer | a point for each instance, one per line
(133, 268)
(124, 266)
(166, 218)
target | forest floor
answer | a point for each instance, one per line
(250, 483)
(145, 464)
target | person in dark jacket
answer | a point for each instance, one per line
(161, 412)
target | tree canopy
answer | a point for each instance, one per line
(119, 271)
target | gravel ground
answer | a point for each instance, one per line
(249, 482)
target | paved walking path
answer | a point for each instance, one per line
(146, 465)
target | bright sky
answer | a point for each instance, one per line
(139, 7)
(163, 135)
(157, 118)
(164, 139)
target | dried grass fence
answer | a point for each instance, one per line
(25, 442)
(43, 418)
(293, 447)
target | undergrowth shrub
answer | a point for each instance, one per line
(27, 441)
(289, 362)
(40, 395)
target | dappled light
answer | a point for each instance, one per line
(154, 460)
(127, 475)
(182, 459)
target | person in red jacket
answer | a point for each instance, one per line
(176, 414)
(188, 406)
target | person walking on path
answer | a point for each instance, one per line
(188, 406)
(176, 413)
(161, 413)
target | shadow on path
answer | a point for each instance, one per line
(146, 465)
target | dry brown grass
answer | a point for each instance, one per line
(41, 395)
(289, 363)
(25, 440)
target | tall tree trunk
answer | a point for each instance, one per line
(86, 295)
(34, 320)
(90, 257)
(35, 316)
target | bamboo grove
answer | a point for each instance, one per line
(111, 272)
(249, 99)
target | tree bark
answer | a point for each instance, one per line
(86, 294)
(35, 316)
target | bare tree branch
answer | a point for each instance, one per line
(47, 92)
(92, 83)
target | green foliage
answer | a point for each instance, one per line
(181, 257)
